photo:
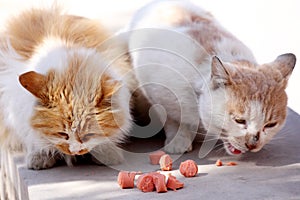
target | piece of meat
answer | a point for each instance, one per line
(155, 156)
(231, 163)
(159, 182)
(188, 168)
(126, 179)
(219, 163)
(145, 183)
(173, 183)
(166, 162)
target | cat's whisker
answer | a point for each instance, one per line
(114, 111)
(277, 138)
(218, 147)
(211, 139)
(220, 150)
(199, 133)
(215, 137)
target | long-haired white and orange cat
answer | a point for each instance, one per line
(58, 94)
(202, 74)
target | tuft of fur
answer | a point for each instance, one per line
(209, 78)
(60, 91)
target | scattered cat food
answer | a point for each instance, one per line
(126, 179)
(145, 183)
(188, 168)
(219, 163)
(159, 181)
(231, 163)
(155, 156)
(173, 183)
(166, 162)
(149, 182)
(156, 181)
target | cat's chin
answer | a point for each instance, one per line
(231, 150)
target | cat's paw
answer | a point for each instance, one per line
(40, 160)
(107, 155)
(178, 145)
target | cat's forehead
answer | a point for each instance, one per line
(256, 95)
(253, 82)
(72, 88)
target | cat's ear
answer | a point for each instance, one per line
(220, 75)
(285, 63)
(109, 86)
(34, 83)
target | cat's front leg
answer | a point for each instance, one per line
(107, 154)
(40, 160)
(179, 137)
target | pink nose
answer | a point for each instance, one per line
(250, 146)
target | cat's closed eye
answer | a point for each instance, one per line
(64, 135)
(87, 136)
(270, 125)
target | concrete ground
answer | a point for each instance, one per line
(272, 173)
(269, 28)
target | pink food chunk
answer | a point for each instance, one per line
(166, 162)
(188, 168)
(126, 179)
(155, 156)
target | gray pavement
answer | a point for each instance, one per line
(272, 173)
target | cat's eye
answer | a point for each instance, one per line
(270, 125)
(64, 135)
(87, 136)
(90, 135)
(240, 121)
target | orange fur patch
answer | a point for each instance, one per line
(29, 29)
(261, 86)
(77, 102)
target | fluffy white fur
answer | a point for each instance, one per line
(175, 70)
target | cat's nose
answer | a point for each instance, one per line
(250, 146)
(252, 140)
(76, 148)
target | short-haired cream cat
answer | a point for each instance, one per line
(202, 74)
(59, 94)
